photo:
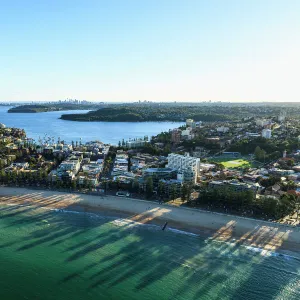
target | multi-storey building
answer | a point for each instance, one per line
(266, 133)
(187, 167)
(176, 135)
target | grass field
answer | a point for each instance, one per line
(231, 163)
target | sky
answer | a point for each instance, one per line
(156, 50)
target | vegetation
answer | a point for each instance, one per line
(264, 149)
(247, 204)
(139, 113)
(37, 108)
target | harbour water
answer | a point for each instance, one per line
(46, 254)
(38, 124)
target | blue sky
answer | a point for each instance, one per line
(159, 50)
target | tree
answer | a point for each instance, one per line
(161, 188)
(297, 203)
(74, 185)
(58, 183)
(184, 191)
(135, 185)
(269, 206)
(149, 187)
(188, 193)
(259, 154)
(173, 192)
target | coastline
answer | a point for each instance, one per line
(265, 235)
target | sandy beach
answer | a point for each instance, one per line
(250, 232)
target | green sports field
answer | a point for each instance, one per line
(230, 163)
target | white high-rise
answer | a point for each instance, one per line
(186, 165)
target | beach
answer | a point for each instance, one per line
(250, 232)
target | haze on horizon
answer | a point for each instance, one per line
(167, 50)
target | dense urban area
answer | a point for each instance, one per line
(239, 159)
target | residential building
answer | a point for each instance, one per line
(188, 167)
(160, 173)
(136, 143)
(282, 116)
(187, 134)
(176, 135)
(234, 185)
(190, 123)
(223, 129)
(262, 122)
(266, 133)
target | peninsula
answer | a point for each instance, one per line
(54, 106)
(151, 112)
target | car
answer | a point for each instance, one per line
(122, 194)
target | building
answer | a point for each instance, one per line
(187, 134)
(190, 123)
(233, 185)
(138, 143)
(176, 135)
(231, 154)
(160, 173)
(187, 167)
(223, 129)
(266, 133)
(282, 116)
(262, 122)
(284, 154)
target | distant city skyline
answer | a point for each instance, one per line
(168, 50)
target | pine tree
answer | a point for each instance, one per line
(149, 187)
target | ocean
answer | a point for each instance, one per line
(54, 254)
(40, 124)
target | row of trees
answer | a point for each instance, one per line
(20, 178)
(246, 203)
(168, 191)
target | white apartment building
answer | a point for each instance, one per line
(223, 129)
(188, 167)
(136, 143)
(266, 133)
(67, 165)
(187, 134)
(262, 122)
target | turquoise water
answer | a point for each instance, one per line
(37, 125)
(48, 254)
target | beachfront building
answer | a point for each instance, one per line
(121, 164)
(187, 167)
(234, 185)
(160, 173)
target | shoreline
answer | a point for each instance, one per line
(265, 235)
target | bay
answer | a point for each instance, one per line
(57, 255)
(37, 125)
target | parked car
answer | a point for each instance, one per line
(122, 194)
